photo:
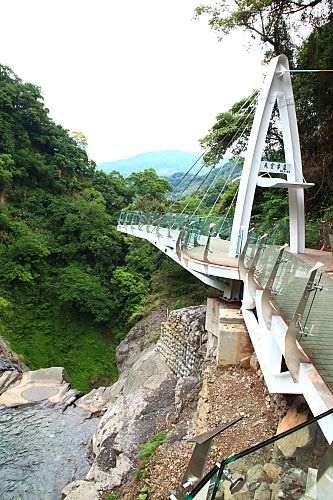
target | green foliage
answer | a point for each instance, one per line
(149, 190)
(142, 257)
(129, 291)
(176, 287)
(271, 22)
(113, 496)
(46, 334)
(143, 494)
(314, 97)
(148, 449)
(84, 291)
(68, 290)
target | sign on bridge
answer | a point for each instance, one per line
(275, 167)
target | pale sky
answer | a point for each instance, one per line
(133, 76)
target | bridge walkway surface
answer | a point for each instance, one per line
(195, 244)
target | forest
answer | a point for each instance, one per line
(71, 286)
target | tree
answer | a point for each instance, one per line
(6, 174)
(269, 21)
(231, 131)
(148, 186)
(314, 99)
(84, 291)
(129, 290)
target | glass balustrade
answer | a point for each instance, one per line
(209, 240)
(316, 327)
(295, 464)
(266, 261)
(251, 249)
(289, 285)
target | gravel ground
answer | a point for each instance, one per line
(227, 393)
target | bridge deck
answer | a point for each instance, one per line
(316, 333)
(218, 252)
(312, 256)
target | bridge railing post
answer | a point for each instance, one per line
(197, 463)
(210, 234)
(241, 261)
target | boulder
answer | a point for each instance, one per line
(7, 379)
(142, 398)
(291, 484)
(5, 365)
(80, 490)
(254, 363)
(299, 439)
(46, 383)
(254, 476)
(245, 362)
(273, 471)
(263, 492)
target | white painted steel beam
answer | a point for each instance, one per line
(277, 88)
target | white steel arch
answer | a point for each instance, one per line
(276, 88)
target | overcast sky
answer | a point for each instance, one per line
(133, 76)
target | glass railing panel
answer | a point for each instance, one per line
(316, 328)
(265, 263)
(251, 249)
(289, 285)
(278, 233)
(224, 229)
(154, 220)
(122, 216)
(295, 464)
(128, 218)
(144, 219)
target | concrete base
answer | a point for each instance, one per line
(228, 339)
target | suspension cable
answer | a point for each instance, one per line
(229, 208)
(247, 104)
(244, 120)
(189, 170)
(223, 188)
(217, 175)
(220, 169)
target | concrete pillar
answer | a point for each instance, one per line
(228, 339)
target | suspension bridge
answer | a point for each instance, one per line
(286, 289)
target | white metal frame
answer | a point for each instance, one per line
(276, 88)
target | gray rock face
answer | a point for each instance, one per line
(6, 366)
(146, 396)
(31, 386)
(9, 360)
(141, 398)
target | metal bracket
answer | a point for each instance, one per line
(179, 241)
(199, 456)
(210, 234)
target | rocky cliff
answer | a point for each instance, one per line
(148, 396)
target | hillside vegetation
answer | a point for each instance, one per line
(70, 284)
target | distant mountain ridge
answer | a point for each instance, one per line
(165, 163)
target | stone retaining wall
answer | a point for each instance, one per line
(183, 340)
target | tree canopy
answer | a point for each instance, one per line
(276, 23)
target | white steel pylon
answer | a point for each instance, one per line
(276, 88)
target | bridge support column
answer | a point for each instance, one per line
(228, 339)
